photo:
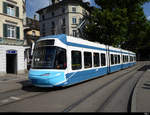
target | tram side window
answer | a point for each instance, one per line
(87, 59)
(76, 60)
(118, 59)
(112, 59)
(103, 60)
(61, 60)
(124, 60)
(127, 58)
(130, 58)
(96, 60)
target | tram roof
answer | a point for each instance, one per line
(65, 38)
(70, 39)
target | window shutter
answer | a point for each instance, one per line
(18, 32)
(4, 8)
(17, 11)
(4, 30)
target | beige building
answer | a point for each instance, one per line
(12, 19)
(63, 16)
(32, 34)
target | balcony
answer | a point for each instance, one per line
(8, 41)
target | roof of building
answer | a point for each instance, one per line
(86, 5)
(32, 23)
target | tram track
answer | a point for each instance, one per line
(31, 91)
(107, 100)
(22, 94)
(75, 104)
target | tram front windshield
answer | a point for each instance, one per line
(49, 57)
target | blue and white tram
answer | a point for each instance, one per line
(62, 60)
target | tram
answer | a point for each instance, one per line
(62, 60)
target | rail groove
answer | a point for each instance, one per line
(72, 106)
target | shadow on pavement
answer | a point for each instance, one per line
(144, 68)
(27, 86)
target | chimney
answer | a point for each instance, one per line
(55, 1)
(34, 16)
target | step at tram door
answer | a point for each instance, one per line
(11, 62)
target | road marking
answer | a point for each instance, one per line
(9, 100)
(14, 79)
(15, 98)
(5, 101)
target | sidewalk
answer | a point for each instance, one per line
(13, 82)
(141, 94)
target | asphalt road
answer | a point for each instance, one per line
(109, 93)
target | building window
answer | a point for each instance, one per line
(63, 10)
(53, 32)
(11, 31)
(64, 21)
(53, 24)
(10, 10)
(74, 32)
(74, 9)
(43, 17)
(87, 59)
(53, 14)
(43, 33)
(64, 30)
(33, 33)
(80, 20)
(43, 27)
(76, 60)
(83, 11)
(74, 20)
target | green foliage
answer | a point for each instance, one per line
(120, 23)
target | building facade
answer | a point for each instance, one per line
(32, 34)
(32, 31)
(62, 16)
(12, 14)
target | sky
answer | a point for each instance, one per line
(33, 5)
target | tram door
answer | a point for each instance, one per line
(108, 59)
(11, 63)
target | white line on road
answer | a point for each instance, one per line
(5, 101)
(14, 79)
(15, 98)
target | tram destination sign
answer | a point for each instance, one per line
(45, 43)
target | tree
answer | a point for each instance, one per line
(120, 23)
(108, 25)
